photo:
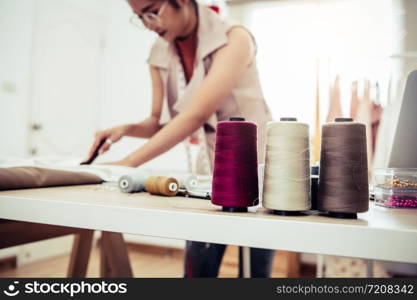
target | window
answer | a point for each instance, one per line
(296, 38)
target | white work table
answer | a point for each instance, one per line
(381, 233)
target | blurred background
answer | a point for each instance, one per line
(71, 67)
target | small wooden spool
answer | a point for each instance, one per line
(164, 186)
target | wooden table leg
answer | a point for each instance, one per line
(80, 254)
(292, 262)
(105, 270)
(114, 261)
(286, 264)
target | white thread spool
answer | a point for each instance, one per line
(187, 181)
(132, 183)
(286, 188)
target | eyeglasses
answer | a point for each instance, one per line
(149, 19)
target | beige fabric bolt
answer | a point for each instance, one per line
(34, 177)
(245, 100)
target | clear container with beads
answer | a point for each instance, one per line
(396, 178)
(395, 188)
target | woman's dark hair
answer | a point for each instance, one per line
(174, 3)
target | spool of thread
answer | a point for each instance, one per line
(132, 183)
(343, 186)
(286, 189)
(187, 181)
(163, 186)
(235, 174)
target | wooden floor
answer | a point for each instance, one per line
(147, 261)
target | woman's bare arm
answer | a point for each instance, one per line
(229, 63)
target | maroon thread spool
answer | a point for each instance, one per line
(235, 175)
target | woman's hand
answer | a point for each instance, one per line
(112, 135)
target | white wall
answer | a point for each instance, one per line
(15, 67)
(124, 90)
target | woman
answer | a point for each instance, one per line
(203, 70)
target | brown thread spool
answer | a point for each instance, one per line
(343, 186)
(164, 186)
